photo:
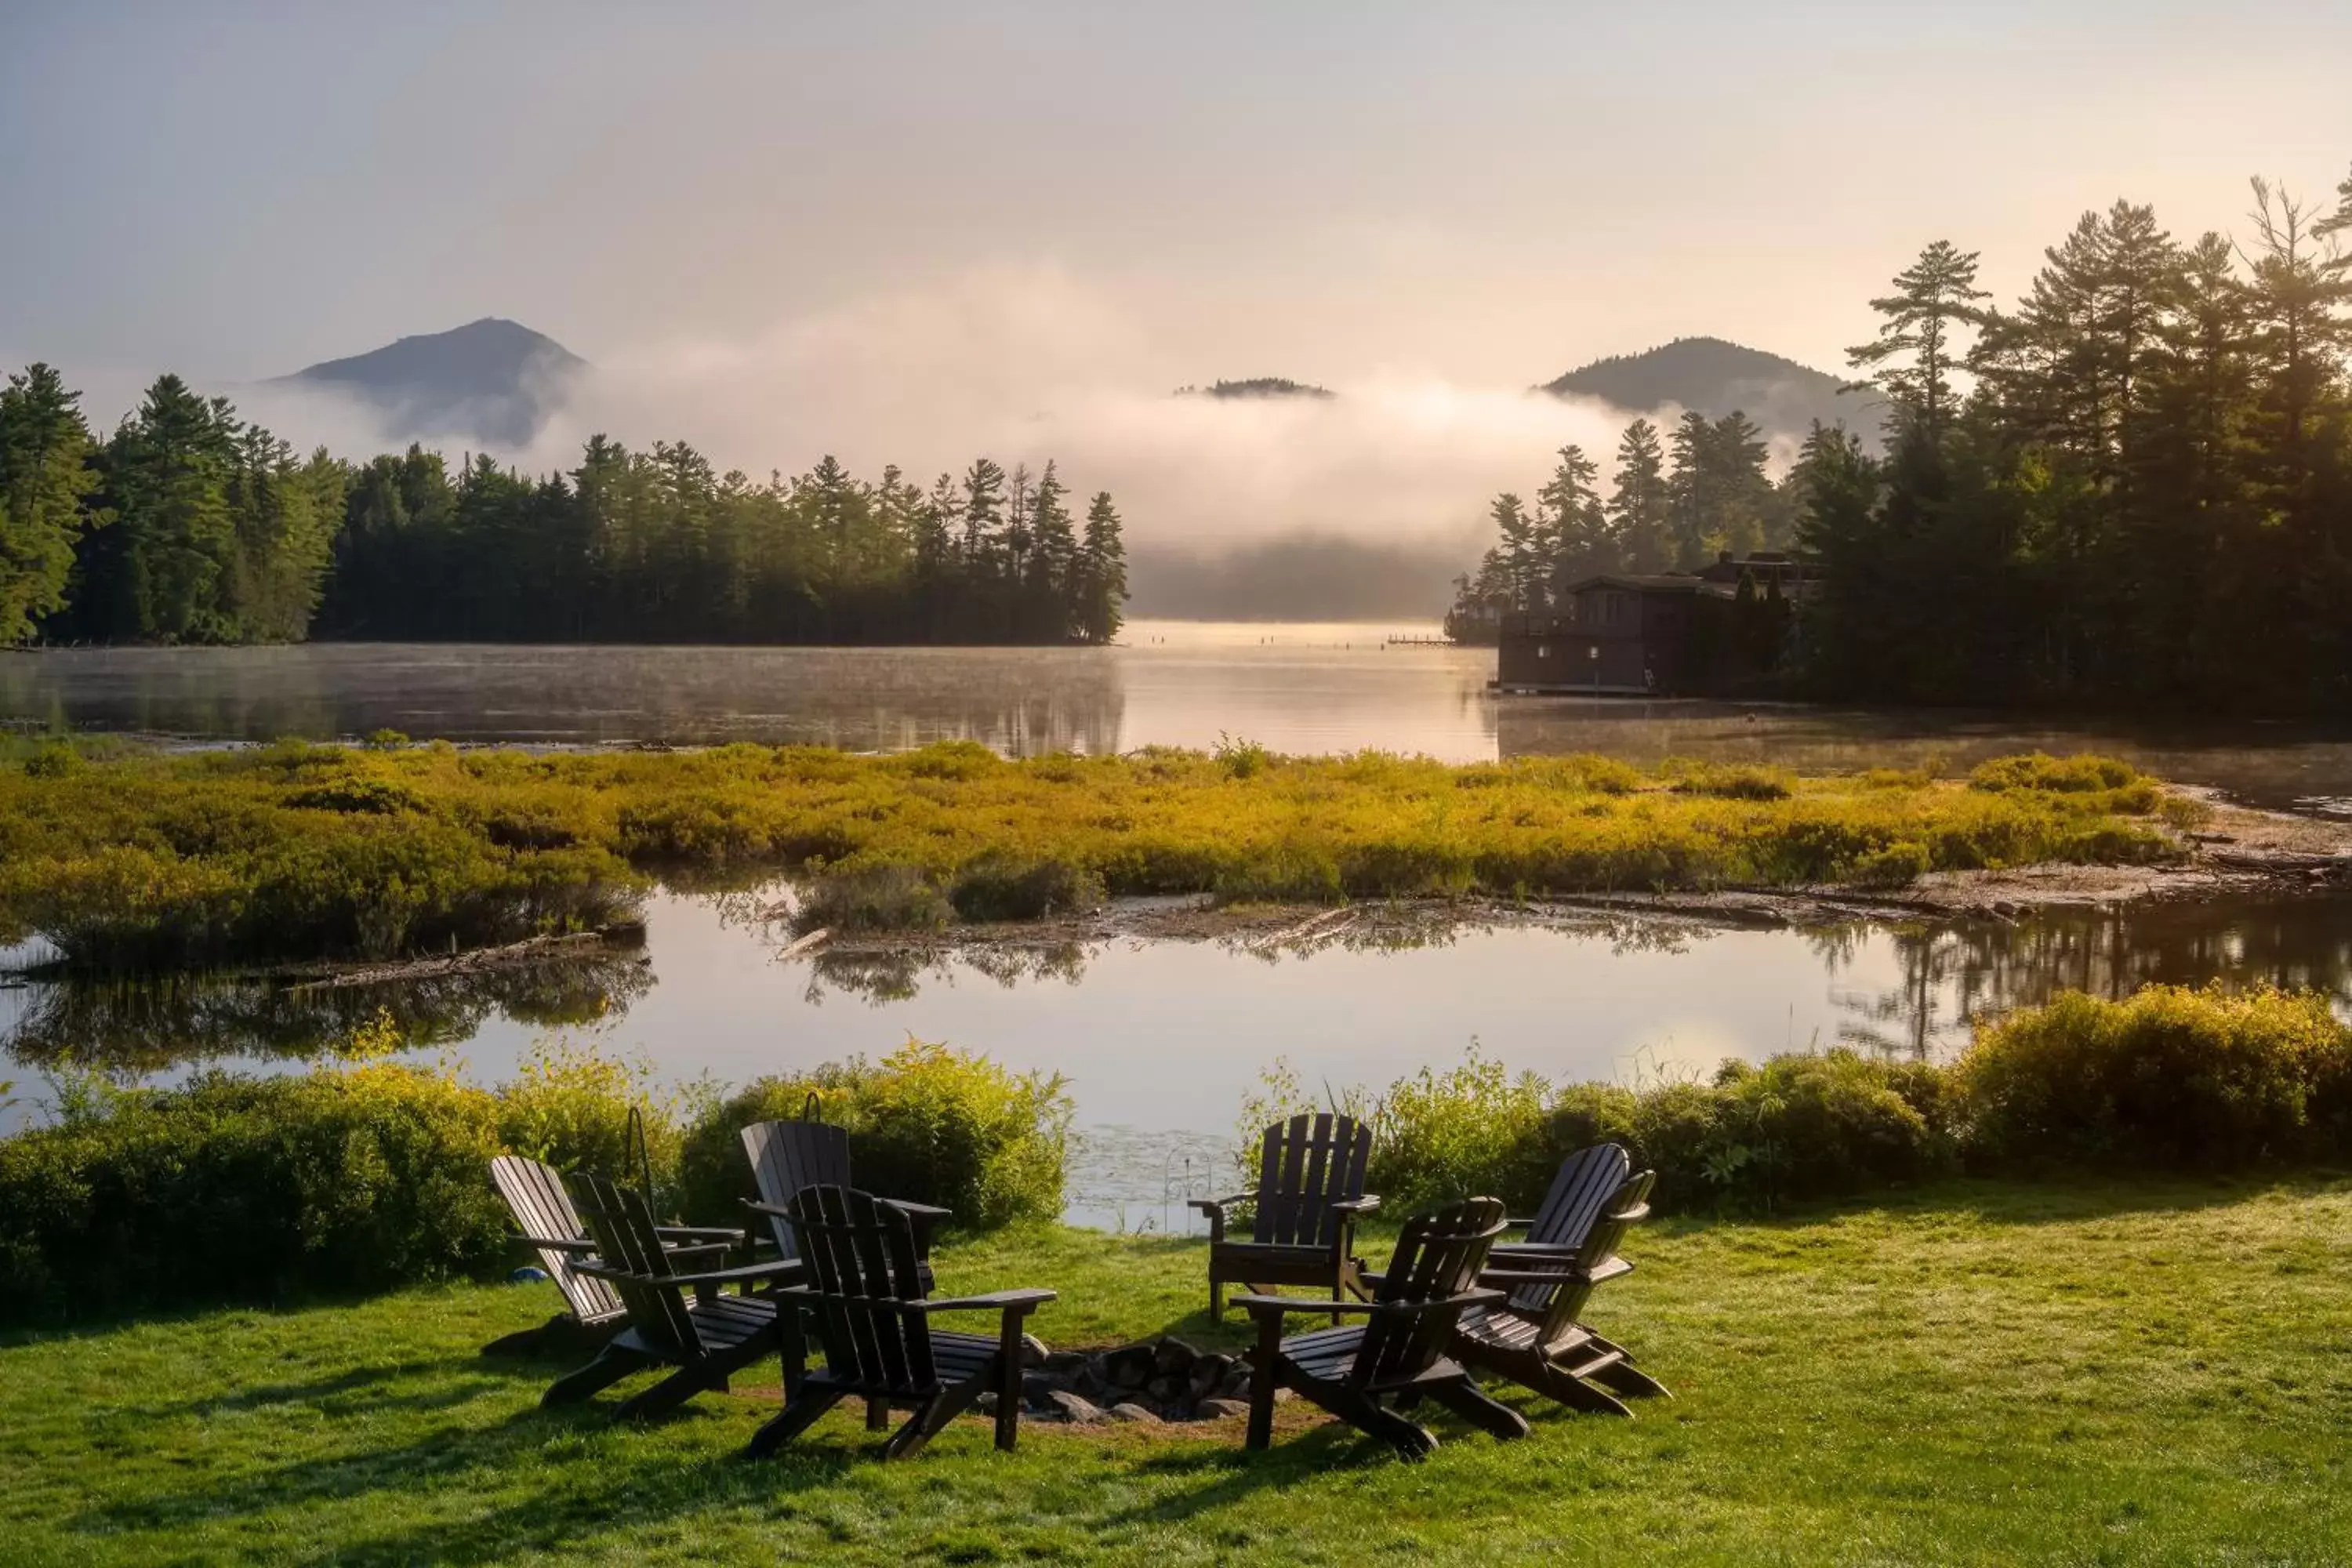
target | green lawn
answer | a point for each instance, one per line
(1976, 1373)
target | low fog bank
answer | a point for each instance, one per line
(1366, 503)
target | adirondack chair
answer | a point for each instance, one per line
(1532, 1336)
(1587, 1180)
(677, 1317)
(1310, 1189)
(865, 1294)
(542, 1211)
(788, 1156)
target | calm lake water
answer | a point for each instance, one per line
(1161, 1041)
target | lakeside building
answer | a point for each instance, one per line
(1670, 634)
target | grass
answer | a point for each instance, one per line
(297, 851)
(1976, 1373)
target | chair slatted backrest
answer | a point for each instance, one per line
(1588, 1179)
(622, 1224)
(1627, 1206)
(788, 1157)
(1439, 1255)
(865, 1283)
(534, 1194)
(1305, 1165)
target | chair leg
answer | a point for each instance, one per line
(800, 1413)
(1573, 1391)
(1412, 1441)
(877, 1415)
(1008, 1402)
(1265, 1368)
(1625, 1378)
(668, 1393)
(611, 1365)
(932, 1418)
(1466, 1400)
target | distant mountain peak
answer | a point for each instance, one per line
(1258, 386)
(1713, 377)
(491, 381)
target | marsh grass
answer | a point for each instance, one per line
(296, 850)
(1974, 1373)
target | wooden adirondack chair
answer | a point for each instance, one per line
(788, 1156)
(1587, 1180)
(677, 1317)
(1532, 1336)
(1310, 1189)
(865, 1293)
(1363, 1374)
(543, 1210)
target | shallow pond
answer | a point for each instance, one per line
(1161, 1041)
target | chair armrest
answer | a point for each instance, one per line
(692, 1252)
(1609, 1270)
(1287, 1305)
(995, 1300)
(1538, 1249)
(1633, 1215)
(1364, 1205)
(578, 1244)
(916, 1210)
(778, 1210)
(744, 1275)
(733, 1237)
(1206, 1205)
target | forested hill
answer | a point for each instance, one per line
(1709, 376)
(493, 382)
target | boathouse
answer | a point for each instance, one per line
(1657, 634)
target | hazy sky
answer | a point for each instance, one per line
(1450, 202)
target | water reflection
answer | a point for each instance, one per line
(132, 1026)
(1953, 974)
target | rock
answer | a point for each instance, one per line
(1130, 1411)
(1066, 1367)
(1129, 1366)
(1171, 1357)
(1284, 1395)
(1168, 1390)
(1073, 1409)
(1221, 1409)
(985, 1404)
(1236, 1384)
(1208, 1374)
(1037, 1388)
(1033, 1354)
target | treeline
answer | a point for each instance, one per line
(189, 525)
(2131, 490)
(1676, 503)
(2134, 487)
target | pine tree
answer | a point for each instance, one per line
(45, 480)
(1574, 533)
(1916, 350)
(1102, 572)
(1051, 607)
(1641, 506)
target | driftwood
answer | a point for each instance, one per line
(1311, 926)
(808, 943)
(474, 961)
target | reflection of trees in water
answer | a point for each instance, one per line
(149, 1023)
(886, 976)
(1020, 701)
(1954, 975)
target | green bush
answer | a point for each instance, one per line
(926, 1123)
(872, 898)
(1005, 887)
(334, 1181)
(2172, 1076)
(1472, 1130)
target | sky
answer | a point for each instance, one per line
(917, 228)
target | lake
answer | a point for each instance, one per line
(1161, 1041)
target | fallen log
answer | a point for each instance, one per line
(474, 961)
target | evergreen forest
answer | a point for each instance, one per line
(2132, 488)
(190, 525)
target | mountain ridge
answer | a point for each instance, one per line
(1712, 376)
(492, 380)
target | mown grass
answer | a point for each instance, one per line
(296, 850)
(1973, 1374)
